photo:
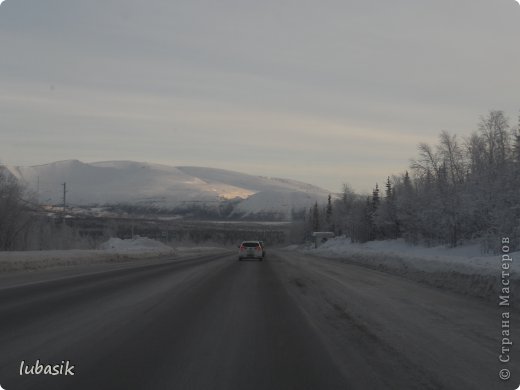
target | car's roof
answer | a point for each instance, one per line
(255, 241)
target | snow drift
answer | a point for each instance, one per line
(463, 269)
(113, 251)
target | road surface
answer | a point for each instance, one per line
(212, 322)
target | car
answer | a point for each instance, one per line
(251, 249)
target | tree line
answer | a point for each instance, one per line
(455, 191)
(24, 225)
(15, 216)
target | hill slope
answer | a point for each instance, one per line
(162, 186)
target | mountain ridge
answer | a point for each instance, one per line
(166, 187)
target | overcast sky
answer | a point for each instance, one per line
(327, 92)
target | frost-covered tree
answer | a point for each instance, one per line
(343, 211)
(362, 225)
(453, 159)
(455, 191)
(494, 130)
(14, 215)
(385, 217)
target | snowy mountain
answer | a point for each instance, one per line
(166, 187)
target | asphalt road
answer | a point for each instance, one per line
(212, 322)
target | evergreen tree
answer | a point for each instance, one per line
(388, 189)
(375, 199)
(315, 217)
(385, 217)
(407, 182)
(328, 210)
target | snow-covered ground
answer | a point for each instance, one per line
(138, 244)
(113, 251)
(464, 269)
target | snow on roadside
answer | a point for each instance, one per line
(463, 269)
(141, 244)
(112, 251)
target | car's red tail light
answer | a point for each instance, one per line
(258, 248)
(242, 248)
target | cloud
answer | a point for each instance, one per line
(354, 84)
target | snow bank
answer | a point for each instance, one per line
(112, 251)
(464, 269)
(142, 244)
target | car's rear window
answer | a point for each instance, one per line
(250, 244)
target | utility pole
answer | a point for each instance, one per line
(64, 196)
